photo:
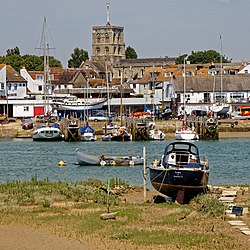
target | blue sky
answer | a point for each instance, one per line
(154, 28)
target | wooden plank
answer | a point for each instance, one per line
(227, 199)
(229, 193)
(246, 232)
(239, 223)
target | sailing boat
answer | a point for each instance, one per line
(46, 132)
(220, 109)
(185, 132)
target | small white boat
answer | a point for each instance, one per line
(155, 134)
(87, 133)
(47, 134)
(88, 136)
(186, 133)
(104, 160)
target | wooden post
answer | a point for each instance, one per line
(144, 175)
(108, 195)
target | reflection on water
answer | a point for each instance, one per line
(22, 159)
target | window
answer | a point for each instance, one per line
(40, 88)
(51, 77)
(207, 97)
(26, 108)
(2, 85)
(15, 86)
(39, 77)
(168, 74)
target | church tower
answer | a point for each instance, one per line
(108, 42)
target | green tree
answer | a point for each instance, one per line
(12, 52)
(77, 57)
(130, 53)
(207, 56)
(33, 63)
(15, 61)
(180, 59)
(30, 62)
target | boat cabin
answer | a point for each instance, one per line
(181, 154)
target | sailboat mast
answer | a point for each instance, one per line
(45, 65)
(107, 82)
(121, 98)
(221, 86)
(184, 89)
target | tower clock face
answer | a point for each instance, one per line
(102, 30)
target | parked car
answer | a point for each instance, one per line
(166, 114)
(27, 124)
(98, 117)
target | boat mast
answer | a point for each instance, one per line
(221, 86)
(45, 52)
(107, 82)
(184, 90)
(121, 98)
(44, 46)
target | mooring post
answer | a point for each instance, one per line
(144, 174)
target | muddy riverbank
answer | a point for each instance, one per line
(226, 130)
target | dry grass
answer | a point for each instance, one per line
(138, 225)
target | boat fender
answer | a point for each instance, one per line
(131, 163)
(61, 163)
(112, 163)
(102, 163)
(155, 162)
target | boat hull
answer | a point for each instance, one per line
(156, 135)
(86, 160)
(170, 181)
(88, 136)
(186, 135)
(76, 110)
(120, 138)
(47, 134)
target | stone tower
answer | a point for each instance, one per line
(108, 42)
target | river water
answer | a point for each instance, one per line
(22, 159)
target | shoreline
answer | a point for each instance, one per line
(14, 130)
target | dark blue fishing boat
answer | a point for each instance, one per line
(181, 173)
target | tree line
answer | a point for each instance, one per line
(14, 58)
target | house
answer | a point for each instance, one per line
(13, 87)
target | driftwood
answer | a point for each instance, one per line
(108, 216)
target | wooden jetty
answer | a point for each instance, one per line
(70, 128)
(138, 128)
(206, 127)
